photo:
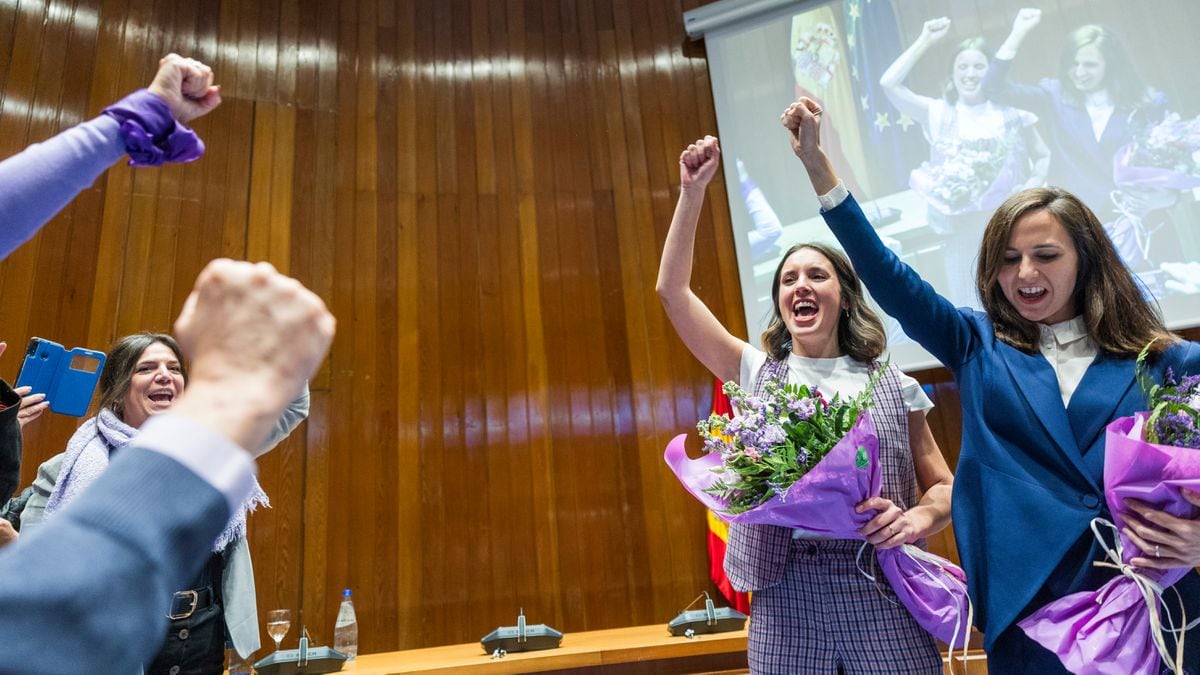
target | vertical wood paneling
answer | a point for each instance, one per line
(480, 191)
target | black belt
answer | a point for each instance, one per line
(187, 603)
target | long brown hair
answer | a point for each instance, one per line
(122, 360)
(1118, 317)
(860, 333)
(1124, 85)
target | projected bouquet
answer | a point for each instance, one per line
(793, 459)
(1166, 155)
(1162, 159)
(966, 175)
(1149, 457)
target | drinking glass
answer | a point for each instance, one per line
(278, 623)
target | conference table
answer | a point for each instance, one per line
(639, 649)
(636, 650)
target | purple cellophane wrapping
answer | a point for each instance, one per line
(1126, 174)
(1108, 630)
(822, 501)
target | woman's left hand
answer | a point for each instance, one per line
(889, 528)
(32, 405)
(1166, 541)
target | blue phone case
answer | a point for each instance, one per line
(67, 378)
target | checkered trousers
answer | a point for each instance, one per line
(824, 616)
(813, 611)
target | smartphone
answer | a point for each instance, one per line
(68, 378)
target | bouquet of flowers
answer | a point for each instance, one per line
(1165, 154)
(791, 458)
(1150, 457)
(961, 179)
(778, 440)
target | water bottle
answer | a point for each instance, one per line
(345, 631)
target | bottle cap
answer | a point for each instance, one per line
(346, 593)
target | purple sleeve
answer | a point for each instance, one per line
(39, 181)
(152, 136)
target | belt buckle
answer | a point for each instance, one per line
(189, 594)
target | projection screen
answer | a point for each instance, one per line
(931, 147)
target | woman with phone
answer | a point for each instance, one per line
(144, 374)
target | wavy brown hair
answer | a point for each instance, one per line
(1118, 318)
(860, 333)
(122, 359)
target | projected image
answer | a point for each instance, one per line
(936, 119)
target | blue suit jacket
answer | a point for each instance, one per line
(88, 591)
(1030, 473)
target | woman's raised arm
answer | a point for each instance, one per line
(699, 329)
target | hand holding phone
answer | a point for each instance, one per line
(68, 378)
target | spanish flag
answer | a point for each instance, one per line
(718, 531)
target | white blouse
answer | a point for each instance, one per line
(839, 375)
(1070, 352)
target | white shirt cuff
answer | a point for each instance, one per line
(834, 197)
(214, 458)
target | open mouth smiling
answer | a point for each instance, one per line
(1031, 293)
(804, 309)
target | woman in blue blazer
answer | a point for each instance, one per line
(1088, 113)
(1040, 373)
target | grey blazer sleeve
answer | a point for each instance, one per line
(92, 586)
(293, 415)
(35, 508)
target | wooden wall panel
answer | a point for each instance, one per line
(480, 191)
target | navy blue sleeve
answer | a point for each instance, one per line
(998, 87)
(925, 316)
(92, 585)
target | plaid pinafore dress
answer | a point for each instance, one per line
(812, 610)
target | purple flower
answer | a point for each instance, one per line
(804, 408)
(778, 489)
(749, 437)
(772, 436)
(1178, 428)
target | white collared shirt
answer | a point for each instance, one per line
(834, 197)
(1099, 109)
(1070, 351)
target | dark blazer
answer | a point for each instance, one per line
(1030, 473)
(10, 441)
(1078, 162)
(89, 590)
